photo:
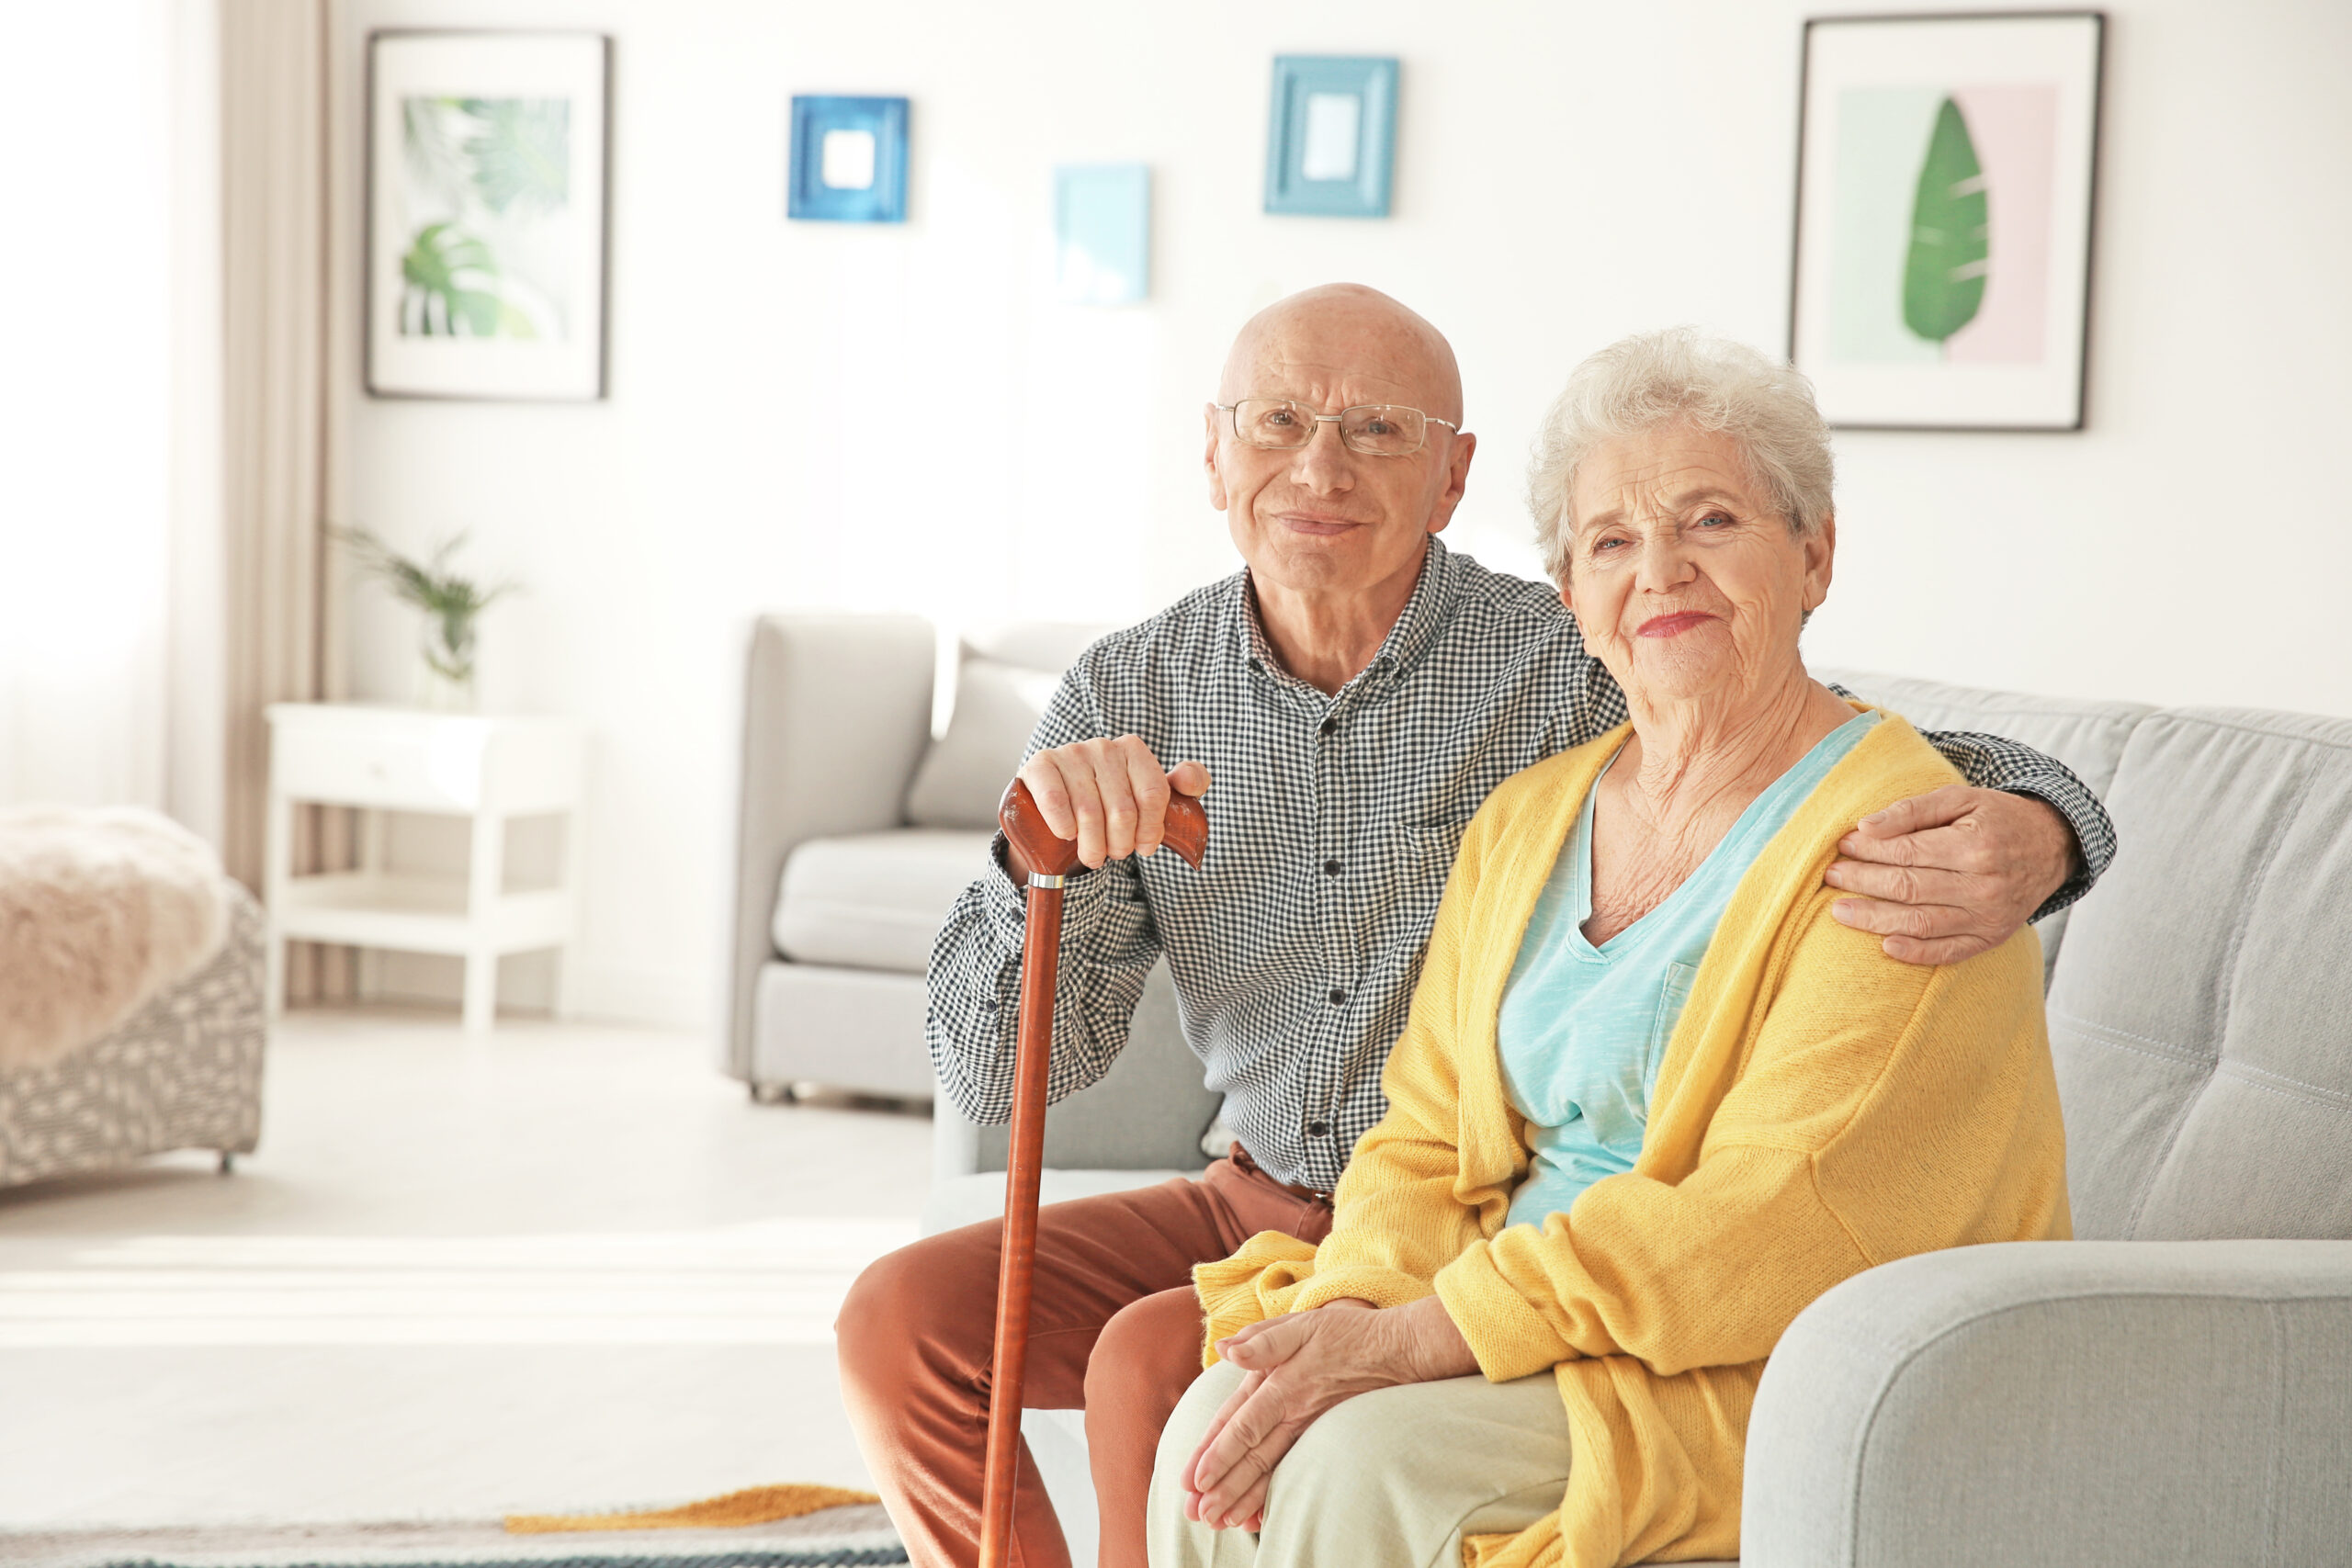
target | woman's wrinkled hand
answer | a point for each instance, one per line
(1296, 1368)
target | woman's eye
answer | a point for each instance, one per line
(1602, 546)
(1715, 520)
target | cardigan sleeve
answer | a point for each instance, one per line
(1397, 1217)
(1883, 1110)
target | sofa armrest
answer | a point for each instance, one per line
(836, 714)
(2062, 1403)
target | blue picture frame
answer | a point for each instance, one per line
(1331, 137)
(1102, 234)
(848, 160)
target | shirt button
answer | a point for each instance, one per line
(1330, 868)
(1331, 725)
(1316, 1129)
(1338, 996)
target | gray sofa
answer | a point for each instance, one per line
(2176, 1385)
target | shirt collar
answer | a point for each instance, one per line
(1416, 626)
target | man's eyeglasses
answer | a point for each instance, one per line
(1380, 430)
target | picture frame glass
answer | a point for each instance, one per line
(1942, 279)
(486, 215)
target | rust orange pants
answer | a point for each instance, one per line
(1116, 1330)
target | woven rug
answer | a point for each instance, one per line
(831, 1538)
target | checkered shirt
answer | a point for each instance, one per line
(1332, 823)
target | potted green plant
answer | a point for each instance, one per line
(451, 607)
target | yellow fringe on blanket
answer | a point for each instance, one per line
(752, 1506)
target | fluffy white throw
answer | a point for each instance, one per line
(99, 909)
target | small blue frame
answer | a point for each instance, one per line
(875, 126)
(1330, 141)
(1102, 234)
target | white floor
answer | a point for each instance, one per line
(564, 1266)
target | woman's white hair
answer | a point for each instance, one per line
(1682, 376)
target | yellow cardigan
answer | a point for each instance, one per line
(1821, 1109)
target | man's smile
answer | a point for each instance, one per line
(1321, 523)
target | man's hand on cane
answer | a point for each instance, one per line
(1110, 795)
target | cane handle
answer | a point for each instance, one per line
(1187, 831)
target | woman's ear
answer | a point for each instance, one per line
(1820, 554)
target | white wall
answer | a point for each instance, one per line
(810, 414)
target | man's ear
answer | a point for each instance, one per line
(1208, 458)
(1457, 479)
(1820, 555)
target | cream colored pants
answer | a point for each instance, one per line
(1391, 1479)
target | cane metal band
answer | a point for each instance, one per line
(1037, 881)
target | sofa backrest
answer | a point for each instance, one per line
(2203, 1020)
(2088, 736)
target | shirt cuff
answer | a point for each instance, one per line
(1505, 1332)
(2085, 874)
(1008, 901)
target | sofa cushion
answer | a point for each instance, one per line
(2088, 736)
(2202, 1021)
(873, 900)
(963, 775)
(1005, 675)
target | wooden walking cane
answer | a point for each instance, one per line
(1051, 860)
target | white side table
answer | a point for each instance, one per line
(392, 759)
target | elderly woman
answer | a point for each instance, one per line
(1653, 1099)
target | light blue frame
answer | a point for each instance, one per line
(1102, 234)
(808, 197)
(1372, 79)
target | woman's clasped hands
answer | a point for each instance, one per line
(1297, 1367)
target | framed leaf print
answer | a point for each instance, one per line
(486, 214)
(1946, 170)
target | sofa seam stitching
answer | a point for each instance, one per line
(2229, 970)
(2205, 718)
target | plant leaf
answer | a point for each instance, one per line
(443, 266)
(1943, 280)
(522, 151)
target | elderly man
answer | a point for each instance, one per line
(1355, 693)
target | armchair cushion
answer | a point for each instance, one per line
(964, 774)
(873, 900)
(1005, 677)
(2062, 1403)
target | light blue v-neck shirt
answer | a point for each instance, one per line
(1583, 1028)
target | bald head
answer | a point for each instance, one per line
(1344, 335)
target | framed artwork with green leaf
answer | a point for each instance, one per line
(486, 214)
(1947, 167)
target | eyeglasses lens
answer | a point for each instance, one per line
(1382, 429)
(1385, 430)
